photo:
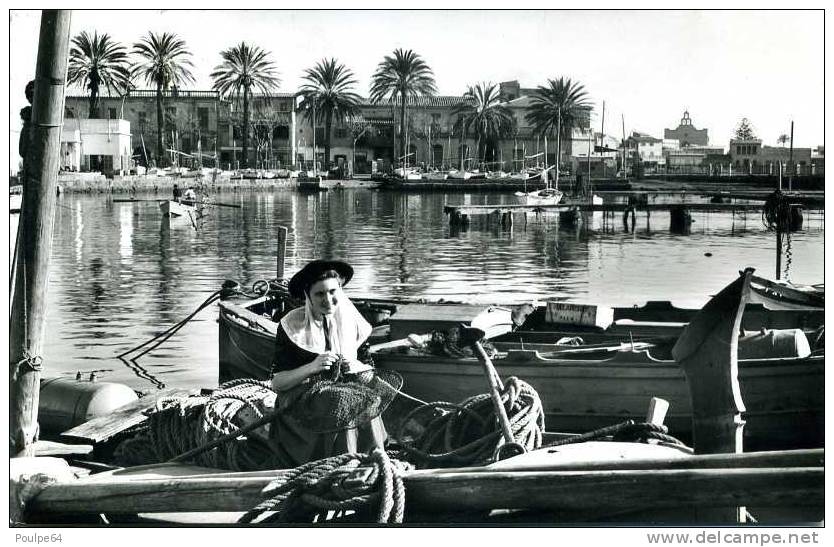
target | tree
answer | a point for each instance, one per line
(483, 112)
(744, 131)
(329, 92)
(164, 62)
(402, 76)
(245, 67)
(783, 139)
(557, 108)
(95, 62)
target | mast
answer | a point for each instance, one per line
(625, 160)
(602, 139)
(28, 313)
(792, 166)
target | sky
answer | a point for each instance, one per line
(647, 66)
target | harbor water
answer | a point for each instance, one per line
(120, 274)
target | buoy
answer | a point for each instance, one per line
(67, 402)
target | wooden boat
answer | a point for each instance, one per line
(544, 196)
(435, 175)
(581, 388)
(562, 480)
(640, 481)
(178, 208)
(456, 174)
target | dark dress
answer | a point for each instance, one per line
(296, 443)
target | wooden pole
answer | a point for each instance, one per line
(282, 252)
(792, 166)
(28, 314)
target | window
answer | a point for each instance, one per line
(143, 118)
(281, 132)
(112, 113)
(203, 115)
(341, 132)
(319, 135)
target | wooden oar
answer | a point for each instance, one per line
(131, 200)
(223, 204)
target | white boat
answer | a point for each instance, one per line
(408, 173)
(497, 175)
(545, 196)
(456, 174)
(174, 209)
(435, 175)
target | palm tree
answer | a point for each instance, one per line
(328, 94)
(783, 139)
(164, 61)
(244, 66)
(557, 108)
(96, 61)
(403, 75)
(483, 111)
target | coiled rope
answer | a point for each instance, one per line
(178, 426)
(311, 491)
(469, 433)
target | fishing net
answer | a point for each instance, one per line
(340, 400)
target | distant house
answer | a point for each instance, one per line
(645, 148)
(818, 160)
(96, 145)
(687, 134)
(750, 156)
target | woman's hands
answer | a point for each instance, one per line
(323, 362)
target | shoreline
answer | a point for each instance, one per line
(96, 183)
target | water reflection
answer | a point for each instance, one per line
(121, 273)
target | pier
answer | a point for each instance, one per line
(680, 212)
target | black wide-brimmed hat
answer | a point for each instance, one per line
(303, 277)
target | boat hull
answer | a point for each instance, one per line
(784, 398)
(177, 209)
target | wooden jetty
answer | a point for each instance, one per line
(459, 215)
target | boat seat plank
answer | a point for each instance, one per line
(99, 430)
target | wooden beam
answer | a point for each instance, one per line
(28, 314)
(579, 490)
(99, 430)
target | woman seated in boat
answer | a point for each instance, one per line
(318, 342)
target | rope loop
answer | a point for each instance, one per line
(469, 433)
(33, 363)
(369, 485)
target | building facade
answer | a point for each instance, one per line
(96, 145)
(199, 128)
(687, 134)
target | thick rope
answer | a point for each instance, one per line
(336, 486)
(193, 425)
(469, 433)
(626, 431)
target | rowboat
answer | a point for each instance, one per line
(581, 388)
(178, 209)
